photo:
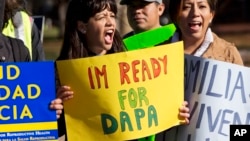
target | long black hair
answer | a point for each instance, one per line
(74, 43)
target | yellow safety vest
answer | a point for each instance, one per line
(23, 31)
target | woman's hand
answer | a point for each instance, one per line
(64, 93)
(58, 106)
(184, 112)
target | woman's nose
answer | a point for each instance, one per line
(110, 21)
(195, 11)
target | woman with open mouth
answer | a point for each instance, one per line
(193, 19)
(90, 30)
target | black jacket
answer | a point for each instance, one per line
(13, 50)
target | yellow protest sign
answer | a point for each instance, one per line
(125, 95)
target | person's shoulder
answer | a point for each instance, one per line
(19, 50)
(131, 33)
(220, 40)
(3, 39)
(224, 44)
(227, 48)
(5, 49)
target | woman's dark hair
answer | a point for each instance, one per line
(13, 6)
(175, 7)
(74, 44)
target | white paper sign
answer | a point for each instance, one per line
(218, 95)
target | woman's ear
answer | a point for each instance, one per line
(212, 17)
(81, 27)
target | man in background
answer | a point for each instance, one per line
(143, 15)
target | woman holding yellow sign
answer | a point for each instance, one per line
(91, 31)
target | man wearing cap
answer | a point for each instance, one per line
(143, 15)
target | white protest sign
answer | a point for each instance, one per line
(218, 95)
